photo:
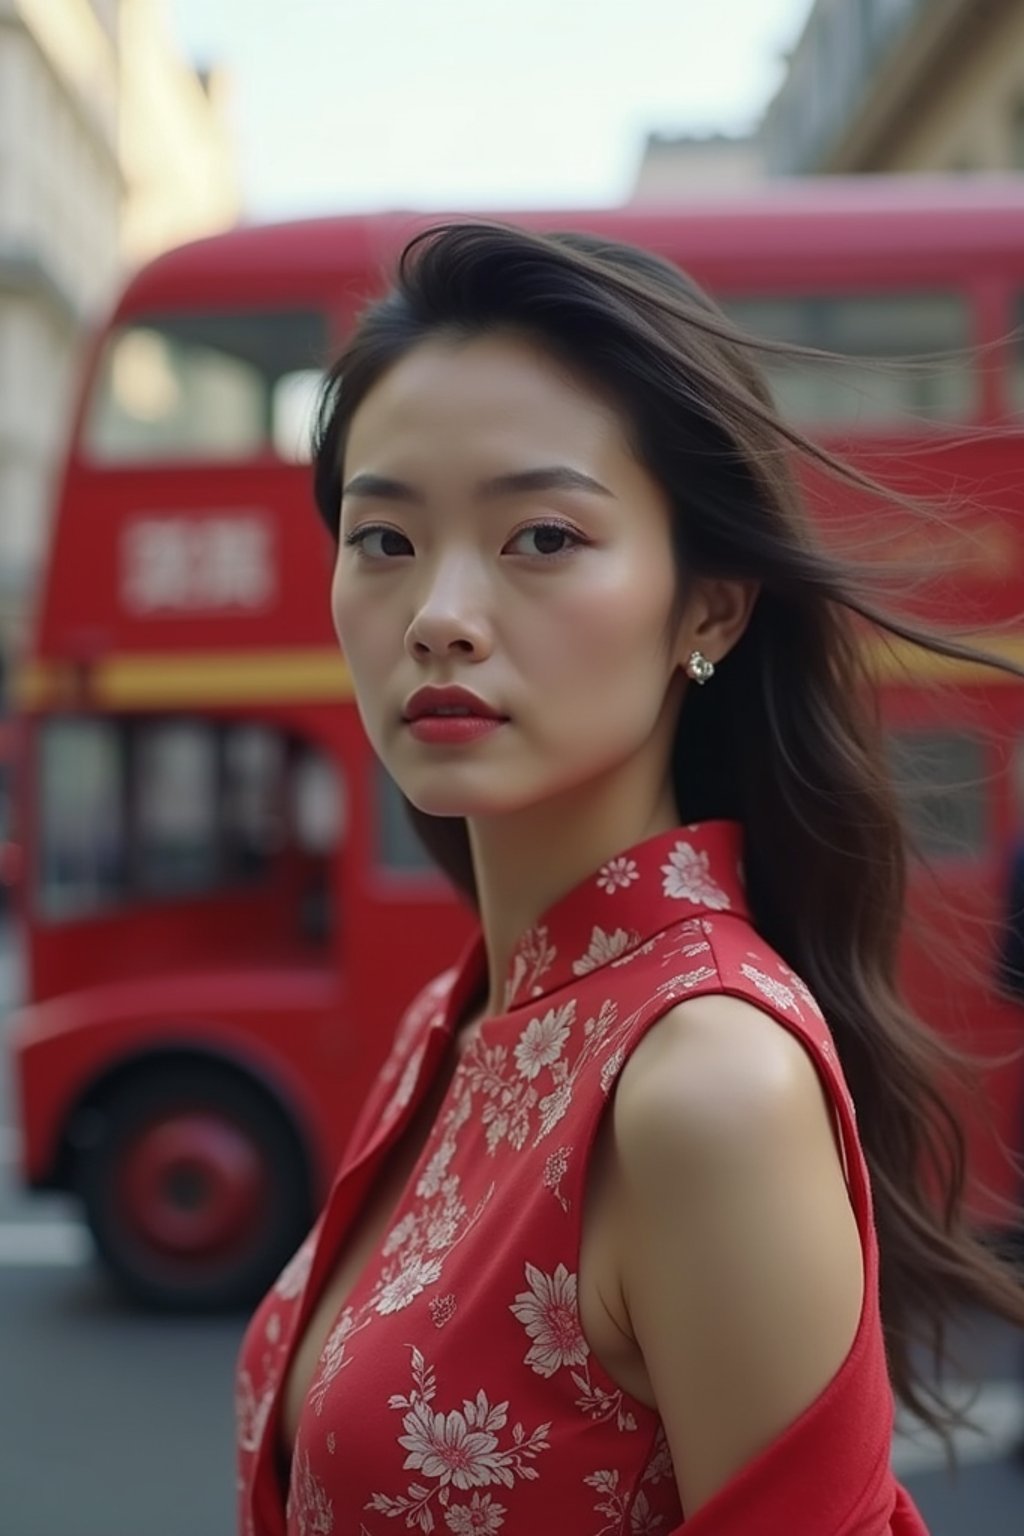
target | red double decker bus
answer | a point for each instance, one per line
(217, 873)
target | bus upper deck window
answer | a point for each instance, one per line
(206, 387)
(866, 330)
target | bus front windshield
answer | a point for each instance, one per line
(214, 387)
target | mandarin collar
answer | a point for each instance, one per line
(686, 872)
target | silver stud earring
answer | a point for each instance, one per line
(699, 668)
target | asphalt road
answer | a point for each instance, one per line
(116, 1423)
(112, 1422)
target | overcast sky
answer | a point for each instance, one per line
(362, 104)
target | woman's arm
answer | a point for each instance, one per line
(741, 1263)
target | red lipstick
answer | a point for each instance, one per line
(450, 716)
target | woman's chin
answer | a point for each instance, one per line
(441, 799)
(454, 790)
(455, 805)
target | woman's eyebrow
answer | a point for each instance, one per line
(556, 477)
(382, 488)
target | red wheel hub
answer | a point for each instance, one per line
(193, 1184)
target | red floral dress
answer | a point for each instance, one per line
(456, 1391)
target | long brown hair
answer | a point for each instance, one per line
(826, 849)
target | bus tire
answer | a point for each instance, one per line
(195, 1188)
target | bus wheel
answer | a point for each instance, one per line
(196, 1189)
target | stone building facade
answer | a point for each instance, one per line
(902, 85)
(111, 148)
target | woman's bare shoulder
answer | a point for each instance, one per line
(740, 1262)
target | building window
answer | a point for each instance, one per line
(875, 379)
(1016, 160)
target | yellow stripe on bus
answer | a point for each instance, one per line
(36, 684)
(140, 681)
(897, 661)
(203, 679)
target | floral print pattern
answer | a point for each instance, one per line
(603, 948)
(250, 1411)
(416, 1249)
(459, 1449)
(456, 1390)
(555, 1170)
(309, 1504)
(617, 874)
(802, 990)
(406, 1085)
(442, 1309)
(540, 1044)
(480, 1515)
(517, 1111)
(549, 1314)
(770, 987)
(533, 957)
(292, 1279)
(688, 877)
(616, 1507)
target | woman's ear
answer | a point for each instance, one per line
(717, 613)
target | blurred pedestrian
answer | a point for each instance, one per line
(610, 1246)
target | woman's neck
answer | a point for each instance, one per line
(525, 862)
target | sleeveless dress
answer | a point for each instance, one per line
(456, 1391)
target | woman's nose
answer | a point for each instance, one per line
(451, 618)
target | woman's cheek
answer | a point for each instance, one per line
(619, 633)
(357, 622)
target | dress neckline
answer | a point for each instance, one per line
(610, 915)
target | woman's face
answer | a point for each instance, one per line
(497, 534)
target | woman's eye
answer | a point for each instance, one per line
(379, 543)
(547, 539)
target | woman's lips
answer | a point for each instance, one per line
(453, 730)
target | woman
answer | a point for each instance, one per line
(603, 1254)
